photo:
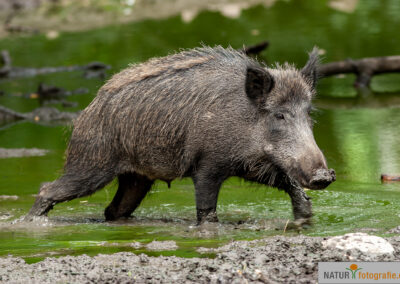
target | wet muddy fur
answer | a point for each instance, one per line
(206, 113)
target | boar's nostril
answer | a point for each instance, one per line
(333, 174)
(322, 178)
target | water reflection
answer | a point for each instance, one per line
(364, 143)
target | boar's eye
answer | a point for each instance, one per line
(279, 116)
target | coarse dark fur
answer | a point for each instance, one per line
(207, 113)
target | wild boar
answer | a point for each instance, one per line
(206, 113)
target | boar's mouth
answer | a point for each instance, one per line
(277, 176)
(273, 174)
(284, 179)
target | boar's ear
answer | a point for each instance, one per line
(258, 83)
(310, 70)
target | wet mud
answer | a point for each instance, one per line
(278, 259)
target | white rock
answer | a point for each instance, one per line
(359, 241)
(162, 245)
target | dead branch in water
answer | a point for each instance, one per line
(93, 69)
(43, 115)
(47, 94)
(364, 68)
(8, 115)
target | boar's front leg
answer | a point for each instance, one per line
(207, 182)
(301, 203)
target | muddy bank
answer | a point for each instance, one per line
(50, 17)
(272, 260)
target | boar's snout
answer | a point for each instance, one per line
(312, 170)
(322, 178)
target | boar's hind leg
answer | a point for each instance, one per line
(207, 187)
(132, 189)
(73, 184)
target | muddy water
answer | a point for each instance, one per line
(359, 135)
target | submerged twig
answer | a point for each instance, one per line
(286, 225)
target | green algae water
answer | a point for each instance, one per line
(359, 135)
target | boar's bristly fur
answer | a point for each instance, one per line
(206, 113)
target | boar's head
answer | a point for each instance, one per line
(283, 133)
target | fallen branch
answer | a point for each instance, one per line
(93, 69)
(364, 68)
(8, 115)
(47, 94)
(42, 115)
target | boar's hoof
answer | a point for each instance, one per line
(111, 214)
(206, 215)
(303, 212)
(41, 207)
(300, 224)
